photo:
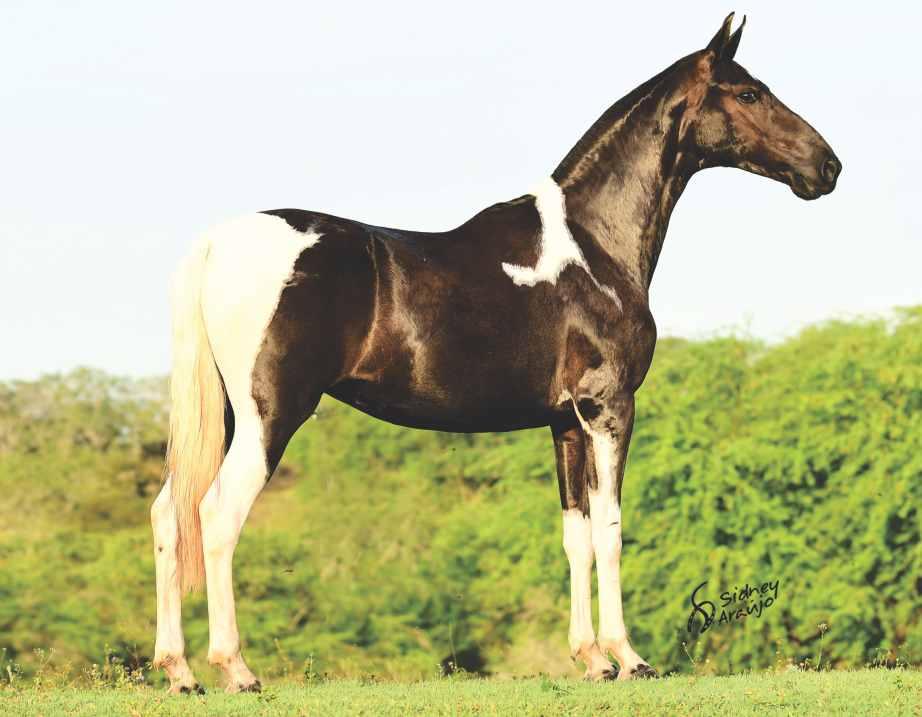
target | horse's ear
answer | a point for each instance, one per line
(719, 42)
(733, 42)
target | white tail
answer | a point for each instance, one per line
(196, 444)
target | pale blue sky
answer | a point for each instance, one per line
(127, 128)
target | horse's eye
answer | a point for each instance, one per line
(748, 97)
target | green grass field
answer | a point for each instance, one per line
(864, 692)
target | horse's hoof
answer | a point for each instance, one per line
(603, 676)
(194, 689)
(643, 672)
(255, 686)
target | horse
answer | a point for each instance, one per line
(534, 312)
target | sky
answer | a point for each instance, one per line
(126, 129)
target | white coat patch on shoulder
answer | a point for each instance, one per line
(557, 248)
(250, 262)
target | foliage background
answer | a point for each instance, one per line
(386, 551)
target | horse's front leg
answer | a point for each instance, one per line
(573, 472)
(608, 426)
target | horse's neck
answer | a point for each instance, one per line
(624, 178)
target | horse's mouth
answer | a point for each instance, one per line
(802, 186)
(806, 189)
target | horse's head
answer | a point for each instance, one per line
(733, 120)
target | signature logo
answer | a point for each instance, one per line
(748, 601)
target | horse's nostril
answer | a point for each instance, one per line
(830, 169)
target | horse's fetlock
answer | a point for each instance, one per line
(162, 661)
(582, 650)
(223, 657)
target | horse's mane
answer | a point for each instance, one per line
(609, 123)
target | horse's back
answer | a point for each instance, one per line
(425, 329)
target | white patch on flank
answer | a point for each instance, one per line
(250, 261)
(557, 249)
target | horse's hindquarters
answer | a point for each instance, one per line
(249, 261)
(287, 308)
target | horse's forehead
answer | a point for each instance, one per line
(733, 73)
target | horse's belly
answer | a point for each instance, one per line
(443, 410)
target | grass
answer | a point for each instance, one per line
(862, 692)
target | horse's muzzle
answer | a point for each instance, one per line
(823, 182)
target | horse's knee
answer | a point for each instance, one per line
(577, 537)
(608, 547)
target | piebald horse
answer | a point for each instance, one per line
(534, 312)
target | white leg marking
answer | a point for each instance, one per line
(605, 517)
(558, 249)
(169, 650)
(223, 511)
(606, 539)
(577, 544)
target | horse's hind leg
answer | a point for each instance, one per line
(223, 511)
(249, 265)
(169, 652)
(273, 332)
